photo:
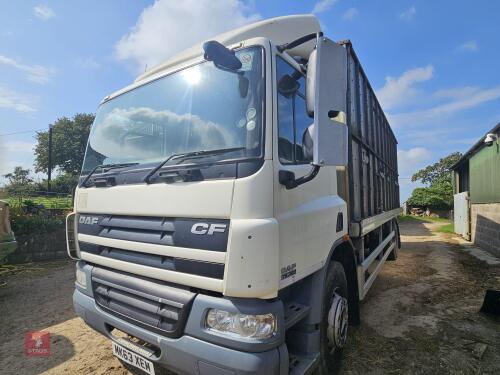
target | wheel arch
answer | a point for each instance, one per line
(310, 290)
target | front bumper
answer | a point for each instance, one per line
(197, 351)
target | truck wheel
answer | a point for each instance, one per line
(335, 319)
(394, 253)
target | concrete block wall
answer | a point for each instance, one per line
(39, 247)
(485, 226)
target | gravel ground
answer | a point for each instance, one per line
(420, 317)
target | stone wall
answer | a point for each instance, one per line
(485, 226)
(39, 247)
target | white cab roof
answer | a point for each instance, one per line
(279, 30)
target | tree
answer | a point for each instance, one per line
(19, 182)
(438, 196)
(63, 183)
(439, 193)
(438, 171)
(69, 140)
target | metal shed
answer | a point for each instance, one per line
(477, 192)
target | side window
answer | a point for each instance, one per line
(286, 141)
(293, 119)
(285, 130)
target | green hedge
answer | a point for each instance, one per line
(41, 221)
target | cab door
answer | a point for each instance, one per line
(306, 214)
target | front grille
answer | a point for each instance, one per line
(152, 304)
(156, 230)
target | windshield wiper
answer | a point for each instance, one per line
(105, 167)
(186, 155)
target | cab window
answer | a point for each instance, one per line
(293, 119)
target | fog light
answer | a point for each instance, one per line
(242, 325)
(81, 277)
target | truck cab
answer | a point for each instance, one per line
(220, 222)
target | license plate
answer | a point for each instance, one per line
(134, 359)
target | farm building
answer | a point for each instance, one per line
(477, 192)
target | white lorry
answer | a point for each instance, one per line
(236, 204)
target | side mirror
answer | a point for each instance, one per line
(308, 143)
(222, 57)
(288, 86)
(326, 90)
(287, 178)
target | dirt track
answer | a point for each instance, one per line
(420, 316)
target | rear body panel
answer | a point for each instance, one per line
(372, 184)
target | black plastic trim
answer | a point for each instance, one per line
(152, 305)
(156, 230)
(224, 169)
(193, 267)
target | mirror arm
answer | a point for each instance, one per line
(298, 42)
(287, 178)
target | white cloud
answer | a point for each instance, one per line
(167, 27)
(43, 12)
(350, 14)
(470, 46)
(438, 113)
(400, 90)
(456, 93)
(470, 101)
(19, 146)
(35, 73)
(409, 161)
(408, 14)
(18, 102)
(87, 62)
(322, 6)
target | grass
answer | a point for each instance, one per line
(427, 219)
(446, 227)
(47, 202)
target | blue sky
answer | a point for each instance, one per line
(434, 65)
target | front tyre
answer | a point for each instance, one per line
(397, 244)
(334, 319)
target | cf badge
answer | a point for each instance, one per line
(210, 229)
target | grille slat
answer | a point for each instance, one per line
(146, 236)
(207, 269)
(157, 230)
(153, 224)
(156, 305)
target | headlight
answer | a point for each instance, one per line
(81, 277)
(247, 326)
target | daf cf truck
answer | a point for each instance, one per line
(235, 205)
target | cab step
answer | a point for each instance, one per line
(294, 313)
(302, 364)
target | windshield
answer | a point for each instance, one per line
(198, 108)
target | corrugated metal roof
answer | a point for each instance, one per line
(474, 149)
